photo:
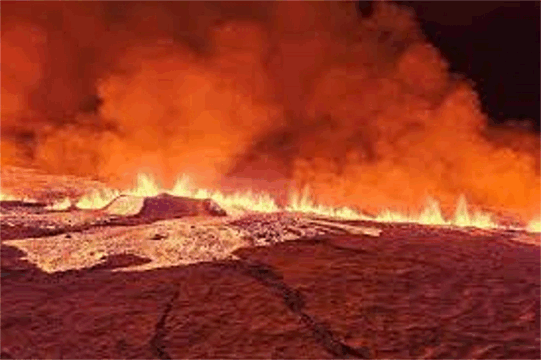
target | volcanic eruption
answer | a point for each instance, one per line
(272, 97)
(257, 180)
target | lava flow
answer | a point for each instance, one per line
(274, 97)
(249, 201)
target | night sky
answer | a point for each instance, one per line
(495, 44)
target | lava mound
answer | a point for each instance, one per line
(161, 207)
(168, 206)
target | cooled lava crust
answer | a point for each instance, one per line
(412, 292)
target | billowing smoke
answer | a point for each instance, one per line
(266, 94)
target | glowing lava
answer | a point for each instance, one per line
(12, 197)
(534, 226)
(249, 201)
(363, 109)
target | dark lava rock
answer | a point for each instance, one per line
(165, 206)
(158, 237)
(12, 204)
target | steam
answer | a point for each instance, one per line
(362, 110)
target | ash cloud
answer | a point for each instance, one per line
(361, 109)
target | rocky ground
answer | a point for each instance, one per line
(89, 284)
(75, 239)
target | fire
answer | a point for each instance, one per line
(303, 202)
(534, 226)
(12, 197)
(146, 185)
(61, 205)
(97, 199)
(432, 215)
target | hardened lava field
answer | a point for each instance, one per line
(91, 284)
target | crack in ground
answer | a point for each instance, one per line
(295, 302)
(156, 343)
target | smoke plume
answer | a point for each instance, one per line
(269, 94)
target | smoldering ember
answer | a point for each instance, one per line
(258, 180)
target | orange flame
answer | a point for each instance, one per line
(534, 226)
(146, 185)
(249, 201)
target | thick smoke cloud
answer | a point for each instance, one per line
(361, 109)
